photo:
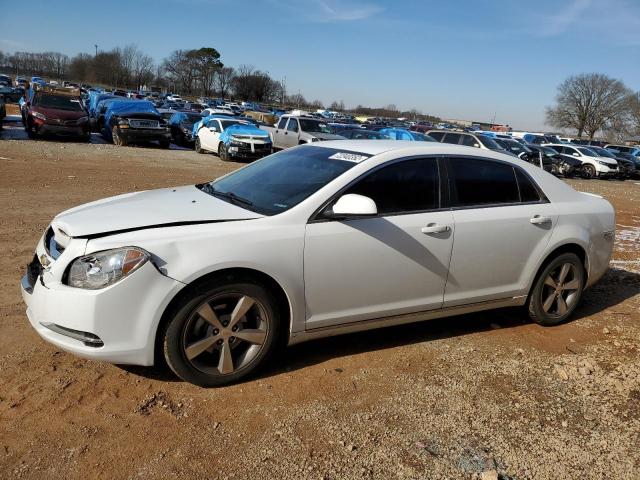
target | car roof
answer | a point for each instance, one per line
(376, 147)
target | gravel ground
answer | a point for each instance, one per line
(487, 395)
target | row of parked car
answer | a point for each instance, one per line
(233, 131)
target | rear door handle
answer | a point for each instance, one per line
(538, 220)
(435, 228)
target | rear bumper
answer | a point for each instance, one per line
(116, 324)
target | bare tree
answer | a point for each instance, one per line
(223, 80)
(588, 103)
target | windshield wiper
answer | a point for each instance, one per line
(228, 195)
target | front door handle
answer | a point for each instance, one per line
(538, 220)
(435, 228)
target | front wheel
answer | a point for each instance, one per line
(557, 290)
(198, 147)
(223, 334)
(588, 171)
(117, 139)
(223, 153)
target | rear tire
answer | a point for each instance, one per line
(206, 343)
(557, 290)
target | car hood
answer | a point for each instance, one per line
(59, 113)
(148, 209)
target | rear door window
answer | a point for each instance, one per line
(437, 135)
(282, 123)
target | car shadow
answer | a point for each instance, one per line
(615, 287)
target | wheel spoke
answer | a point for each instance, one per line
(548, 302)
(243, 306)
(562, 305)
(254, 336)
(550, 282)
(564, 271)
(571, 285)
(200, 346)
(225, 364)
(206, 312)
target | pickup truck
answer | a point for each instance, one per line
(294, 130)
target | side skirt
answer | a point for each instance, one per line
(363, 325)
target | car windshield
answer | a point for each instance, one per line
(420, 137)
(549, 152)
(314, 126)
(516, 147)
(281, 181)
(192, 118)
(227, 123)
(603, 152)
(489, 143)
(588, 152)
(59, 102)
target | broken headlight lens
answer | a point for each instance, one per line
(105, 268)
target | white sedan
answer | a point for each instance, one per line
(317, 240)
(593, 165)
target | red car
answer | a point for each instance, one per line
(57, 111)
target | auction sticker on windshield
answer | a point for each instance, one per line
(349, 157)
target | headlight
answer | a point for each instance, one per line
(39, 115)
(606, 164)
(105, 268)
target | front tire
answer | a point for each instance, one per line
(589, 171)
(117, 139)
(198, 147)
(223, 153)
(224, 333)
(557, 290)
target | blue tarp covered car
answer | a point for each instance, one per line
(135, 121)
(402, 134)
(197, 125)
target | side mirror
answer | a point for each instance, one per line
(213, 129)
(575, 154)
(352, 205)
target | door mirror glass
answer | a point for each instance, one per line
(575, 154)
(352, 205)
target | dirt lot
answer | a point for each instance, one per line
(442, 399)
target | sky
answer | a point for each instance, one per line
(472, 60)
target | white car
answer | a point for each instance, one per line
(593, 165)
(174, 97)
(256, 144)
(317, 240)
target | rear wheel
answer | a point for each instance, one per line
(223, 334)
(557, 290)
(588, 171)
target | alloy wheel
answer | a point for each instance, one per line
(225, 333)
(561, 289)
